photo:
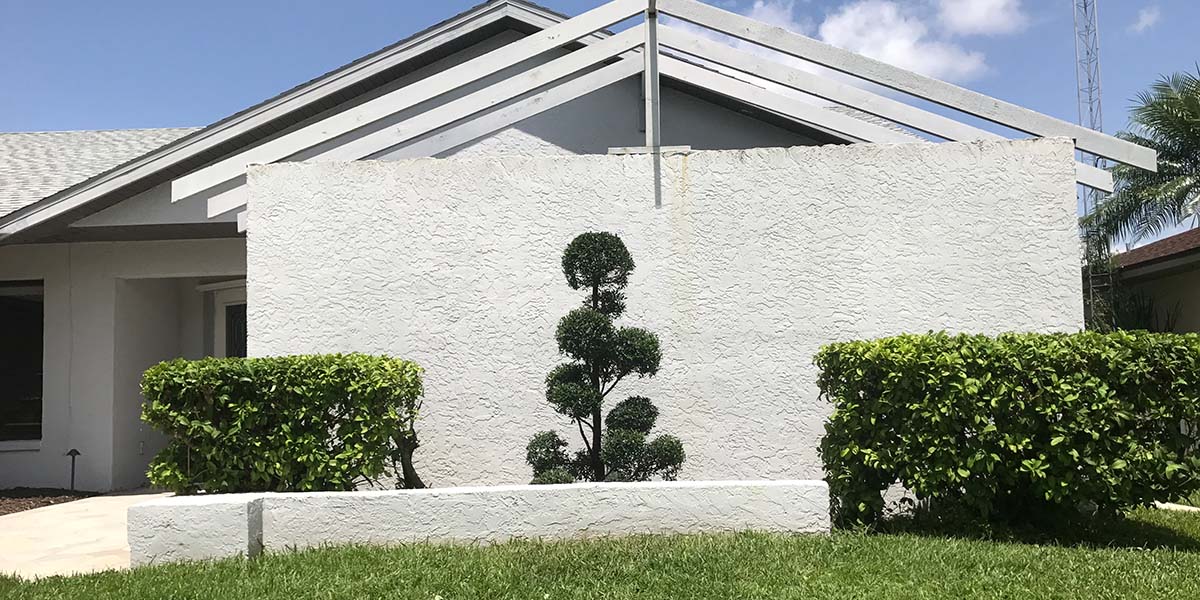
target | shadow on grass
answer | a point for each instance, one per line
(1146, 529)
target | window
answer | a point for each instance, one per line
(21, 325)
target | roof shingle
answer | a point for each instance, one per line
(34, 165)
(1180, 243)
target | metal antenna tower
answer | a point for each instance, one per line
(1097, 268)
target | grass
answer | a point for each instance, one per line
(1153, 554)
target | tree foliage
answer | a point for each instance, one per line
(616, 447)
(1166, 118)
(283, 424)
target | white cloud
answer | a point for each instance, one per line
(780, 13)
(1147, 17)
(982, 17)
(882, 30)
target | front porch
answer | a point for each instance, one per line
(82, 322)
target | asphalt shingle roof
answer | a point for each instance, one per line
(1180, 243)
(34, 165)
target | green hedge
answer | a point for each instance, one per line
(294, 423)
(1015, 427)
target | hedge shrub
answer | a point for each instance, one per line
(294, 423)
(1015, 427)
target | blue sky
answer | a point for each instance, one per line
(126, 63)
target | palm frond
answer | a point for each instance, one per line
(1165, 117)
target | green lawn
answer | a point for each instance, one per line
(1154, 554)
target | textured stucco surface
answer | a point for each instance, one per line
(754, 260)
(500, 513)
(195, 528)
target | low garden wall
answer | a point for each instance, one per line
(207, 527)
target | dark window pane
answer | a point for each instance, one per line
(235, 330)
(21, 321)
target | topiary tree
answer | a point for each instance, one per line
(602, 355)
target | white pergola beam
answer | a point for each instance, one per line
(933, 90)
(821, 87)
(796, 109)
(650, 79)
(491, 96)
(507, 116)
(846, 95)
(1093, 177)
(420, 91)
(468, 129)
(458, 109)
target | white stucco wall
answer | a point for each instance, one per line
(147, 329)
(755, 259)
(183, 528)
(86, 367)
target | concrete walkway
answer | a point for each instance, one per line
(76, 537)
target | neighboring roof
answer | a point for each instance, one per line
(34, 165)
(1171, 247)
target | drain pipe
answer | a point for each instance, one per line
(73, 453)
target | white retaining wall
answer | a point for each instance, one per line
(195, 528)
(205, 527)
(755, 259)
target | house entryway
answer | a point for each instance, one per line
(162, 319)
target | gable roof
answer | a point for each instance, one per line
(213, 160)
(304, 102)
(34, 165)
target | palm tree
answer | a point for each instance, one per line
(1166, 118)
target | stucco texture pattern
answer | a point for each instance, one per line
(753, 261)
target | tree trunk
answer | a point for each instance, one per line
(411, 480)
(597, 425)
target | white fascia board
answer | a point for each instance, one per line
(461, 108)
(933, 90)
(847, 95)
(507, 116)
(798, 110)
(420, 91)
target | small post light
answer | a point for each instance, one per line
(73, 453)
